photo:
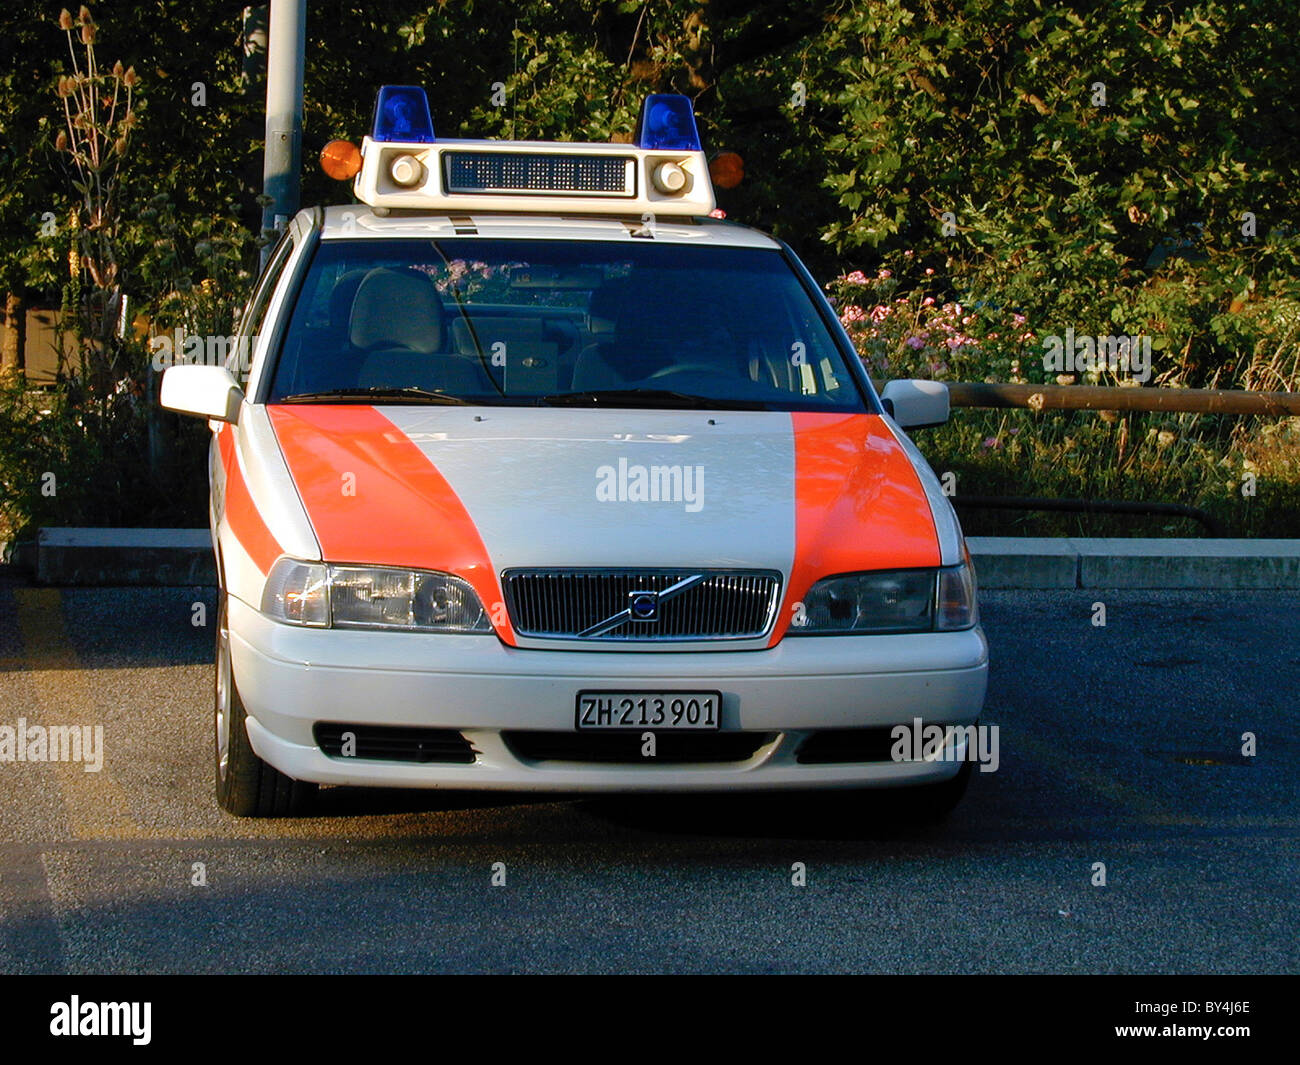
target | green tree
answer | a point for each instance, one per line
(1085, 168)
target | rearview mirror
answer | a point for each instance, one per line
(203, 391)
(916, 404)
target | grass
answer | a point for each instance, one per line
(1210, 462)
(1243, 471)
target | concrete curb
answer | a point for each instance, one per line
(1120, 562)
(125, 556)
(184, 557)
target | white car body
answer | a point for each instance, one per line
(481, 492)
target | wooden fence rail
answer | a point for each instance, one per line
(1095, 397)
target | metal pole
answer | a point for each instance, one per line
(286, 44)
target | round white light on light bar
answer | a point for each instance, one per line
(669, 178)
(406, 170)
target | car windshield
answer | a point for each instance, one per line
(562, 322)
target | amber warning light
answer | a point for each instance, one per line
(341, 160)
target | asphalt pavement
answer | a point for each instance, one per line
(1119, 744)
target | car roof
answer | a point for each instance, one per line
(358, 222)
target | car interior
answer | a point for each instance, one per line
(389, 327)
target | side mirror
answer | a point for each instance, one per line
(203, 391)
(916, 404)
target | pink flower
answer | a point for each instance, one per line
(852, 313)
(991, 442)
(915, 343)
(929, 270)
(885, 273)
(856, 278)
(928, 301)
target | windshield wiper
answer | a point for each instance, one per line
(399, 395)
(647, 397)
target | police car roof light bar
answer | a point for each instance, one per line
(402, 166)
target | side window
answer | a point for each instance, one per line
(250, 324)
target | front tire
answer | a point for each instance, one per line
(916, 805)
(246, 786)
(932, 803)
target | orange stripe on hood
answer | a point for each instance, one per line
(395, 508)
(859, 504)
(241, 513)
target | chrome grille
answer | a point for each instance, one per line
(569, 603)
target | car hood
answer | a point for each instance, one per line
(478, 490)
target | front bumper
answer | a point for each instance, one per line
(290, 679)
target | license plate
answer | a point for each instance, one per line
(654, 710)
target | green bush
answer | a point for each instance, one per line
(1027, 166)
(1132, 170)
(1098, 455)
(69, 460)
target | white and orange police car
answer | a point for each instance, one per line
(543, 478)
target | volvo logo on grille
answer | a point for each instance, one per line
(643, 605)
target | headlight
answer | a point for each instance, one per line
(957, 605)
(917, 600)
(297, 592)
(372, 597)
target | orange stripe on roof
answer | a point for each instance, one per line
(241, 513)
(859, 504)
(374, 498)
